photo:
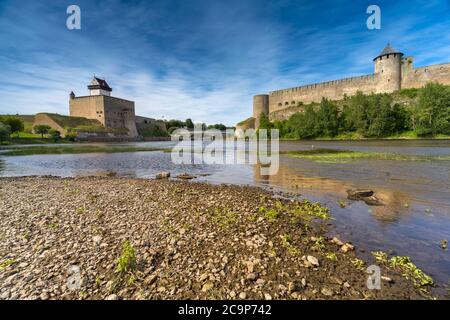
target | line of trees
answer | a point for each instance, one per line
(371, 116)
(172, 125)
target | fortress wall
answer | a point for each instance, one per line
(333, 90)
(90, 107)
(419, 77)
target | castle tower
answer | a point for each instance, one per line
(388, 67)
(260, 105)
(99, 87)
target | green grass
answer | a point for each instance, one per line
(342, 156)
(30, 140)
(74, 149)
(410, 271)
(127, 260)
(6, 263)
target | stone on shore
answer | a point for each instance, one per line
(163, 175)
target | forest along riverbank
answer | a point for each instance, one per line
(160, 239)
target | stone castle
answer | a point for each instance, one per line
(99, 105)
(392, 72)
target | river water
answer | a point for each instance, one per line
(414, 221)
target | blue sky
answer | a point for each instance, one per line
(202, 59)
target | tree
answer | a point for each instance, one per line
(15, 123)
(327, 116)
(54, 134)
(218, 126)
(264, 122)
(189, 124)
(41, 129)
(5, 131)
(433, 110)
(174, 124)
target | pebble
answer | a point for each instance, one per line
(251, 276)
(207, 286)
(326, 292)
(313, 260)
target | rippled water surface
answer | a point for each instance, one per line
(414, 221)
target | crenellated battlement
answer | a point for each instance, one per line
(323, 84)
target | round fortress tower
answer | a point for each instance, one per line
(260, 105)
(388, 67)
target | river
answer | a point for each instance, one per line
(414, 221)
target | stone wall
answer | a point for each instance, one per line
(110, 111)
(419, 77)
(91, 107)
(119, 113)
(334, 90)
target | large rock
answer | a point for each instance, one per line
(185, 176)
(163, 175)
(373, 201)
(365, 195)
(359, 194)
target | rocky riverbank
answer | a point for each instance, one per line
(161, 239)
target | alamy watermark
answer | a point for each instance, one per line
(213, 146)
(374, 20)
(73, 21)
(374, 278)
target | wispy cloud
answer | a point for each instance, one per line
(199, 59)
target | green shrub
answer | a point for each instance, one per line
(127, 260)
(55, 135)
(5, 131)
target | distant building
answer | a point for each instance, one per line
(392, 72)
(110, 111)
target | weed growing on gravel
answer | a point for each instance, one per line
(99, 214)
(26, 235)
(224, 219)
(319, 244)
(270, 215)
(358, 264)
(286, 243)
(80, 210)
(331, 256)
(6, 263)
(127, 260)
(380, 256)
(312, 209)
(410, 271)
(168, 226)
(342, 204)
(92, 197)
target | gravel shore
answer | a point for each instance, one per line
(190, 241)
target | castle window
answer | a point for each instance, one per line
(292, 102)
(286, 103)
(280, 104)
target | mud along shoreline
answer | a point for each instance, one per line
(166, 239)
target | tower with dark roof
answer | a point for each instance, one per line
(388, 67)
(99, 87)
